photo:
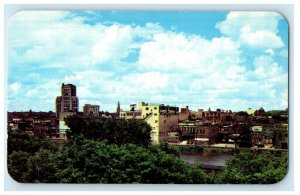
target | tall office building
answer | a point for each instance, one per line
(68, 101)
(66, 105)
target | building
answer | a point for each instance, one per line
(218, 116)
(206, 134)
(281, 136)
(163, 120)
(226, 133)
(257, 136)
(188, 128)
(91, 110)
(198, 133)
(184, 113)
(131, 114)
(66, 105)
(68, 101)
(259, 112)
(38, 123)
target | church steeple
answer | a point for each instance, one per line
(118, 109)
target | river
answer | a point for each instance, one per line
(206, 158)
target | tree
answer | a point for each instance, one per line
(100, 162)
(113, 130)
(17, 165)
(254, 167)
(42, 167)
(22, 141)
(242, 113)
(22, 149)
(245, 136)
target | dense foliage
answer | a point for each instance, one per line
(113, 130)
(255, 167)
(89, 161)
(29, 157)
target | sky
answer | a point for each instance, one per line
(228, 60)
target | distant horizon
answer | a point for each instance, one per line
(216, 59)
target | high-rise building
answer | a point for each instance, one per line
(68, 101)
(66, 105)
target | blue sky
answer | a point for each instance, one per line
(227, 60)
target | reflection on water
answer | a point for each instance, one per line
(205, 158)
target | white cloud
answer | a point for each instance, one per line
(169, 51)
(261, 39)
(145, 82)
(254, 29)
(113, 43)
(266, 67)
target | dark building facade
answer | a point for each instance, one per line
(68, 101)
(91, 110)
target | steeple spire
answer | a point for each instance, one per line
(118, 108)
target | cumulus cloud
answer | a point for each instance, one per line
(261, 39)
(178, 52)
(114, 43)
(254, 29)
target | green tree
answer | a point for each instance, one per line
(22, 141)
(245, 136)
(100, 162)
(21, 147)
(115, 131)
(42, 167)
(254, 167)
(17, 165)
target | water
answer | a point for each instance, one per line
(206, 158)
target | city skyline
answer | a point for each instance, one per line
(227, 60)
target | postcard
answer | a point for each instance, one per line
(147, 97)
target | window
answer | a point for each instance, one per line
(156, 121)
(155, 114)
(147, 108)
(155, 108)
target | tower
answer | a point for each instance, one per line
(68, 101)
(118, 110)
(66, 105)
